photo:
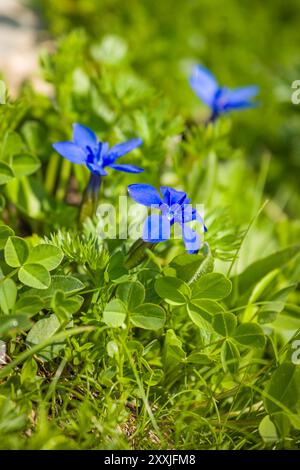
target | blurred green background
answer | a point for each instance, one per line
(242, 42)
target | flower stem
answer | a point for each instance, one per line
(51, 173)
(90, 198)
(212, 118)
(63, 181)
(137, 253)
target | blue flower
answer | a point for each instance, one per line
(86, 149)
(175, 207)
(220, 99)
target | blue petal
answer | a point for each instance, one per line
(144, 194)
(191, 239)
(243, 93)
(96, 169)
(238, 98)
(127, 168)
(197, 216)
(204, 84)
(104, 149)
(156, 229)
(107, 158)
(172, 196)
(83, 136)
(70, 151)
(188, 214)
(121, 149)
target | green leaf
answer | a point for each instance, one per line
(12, 144)
(5, 233)
(283, 423)
(282, 294)
(148, 316)
(172, 290)
(153, 377)
(284, 389)
(34, 275)
(224, 323)
(131, 293)
(260, 268)
(2, 204)
(67, 284)
(173, 357)
(16, 251)
(262, 285)
(81, 82)
(43, 330)
(199, 358)
(114, 313)
(25, 164)
(137, 253)
(250, 334)
(269, 311)
(8, 295)
(34, 133)
(111, 50)
(115, 267)
(190, 267)
(208, 307)
(198, 319)
(28, 305)
(10, 323)
(274, 304)
(267, 431)
(28, 194)
(29, 371)
(64, 306)
(230, 356)
(213, 286)
(136, 347)
(6, 173)
(112, 348)
(48, 256)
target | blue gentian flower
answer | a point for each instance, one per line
(220, 99)
(86, 149)
(175, 207)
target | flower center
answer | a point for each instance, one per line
(94, 154)
(170, 211)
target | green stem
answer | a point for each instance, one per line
(211, 176)
(64, 178)
(5, 371)
(90, 198)
(141, 389)
(252, 221)
(137, 253)
(51, 173)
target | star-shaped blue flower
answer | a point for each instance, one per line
(86, 149)
(220, 99)
(175, 207)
